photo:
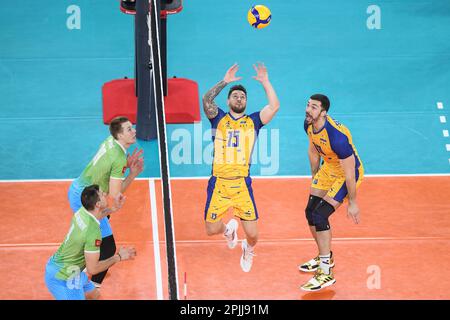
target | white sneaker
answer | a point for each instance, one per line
(247, 257)
(231, 236)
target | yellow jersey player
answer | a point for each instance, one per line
(336, 179)
(234, 135)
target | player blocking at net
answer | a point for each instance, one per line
(234, 135)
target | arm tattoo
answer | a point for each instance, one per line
(209, 106)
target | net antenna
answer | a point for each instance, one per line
(153, 22)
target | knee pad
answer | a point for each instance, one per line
(107, 248)
(312, 203)
(321, 214)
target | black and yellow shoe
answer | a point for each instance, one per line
(313, 264)
(319, 281)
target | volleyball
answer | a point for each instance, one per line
(259, 16)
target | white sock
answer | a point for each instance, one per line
(325, 261)
(227, 231)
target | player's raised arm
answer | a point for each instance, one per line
(209, 106)
(269, 111)
(136, 167)
(119, 185)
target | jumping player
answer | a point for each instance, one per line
(234, 135)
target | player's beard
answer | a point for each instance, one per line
(309, 119)
(238, 108)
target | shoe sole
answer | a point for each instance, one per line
(312, 270)
(329, 283)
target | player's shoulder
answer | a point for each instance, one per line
(116, 150)
(256, 118)
(336, 130)
(82, 219)
(335, 125)
(91, 222)
(219, 116)
(108, 142)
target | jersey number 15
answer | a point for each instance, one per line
(233, 139)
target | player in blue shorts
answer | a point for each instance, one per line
(81, 249)
(234, 136)
(107, 169)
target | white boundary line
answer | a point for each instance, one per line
(443, 119)
(28, 245)
(156, 252)
(334, 239)
(445, 133)
(253, 177)
(440, 105)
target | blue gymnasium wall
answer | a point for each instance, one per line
(383, 84)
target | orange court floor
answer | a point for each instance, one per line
(394, 253)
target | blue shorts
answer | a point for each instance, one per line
(74, 194)
(72, 289)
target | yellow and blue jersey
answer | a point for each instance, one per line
(234, 140)
(333, 142)
(230, 185)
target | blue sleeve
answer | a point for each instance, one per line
(256, 120)
(340, 144)
(215, 121)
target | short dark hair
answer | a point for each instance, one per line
(323, 100)
(237, 87)
(89, 197)
(115, 127)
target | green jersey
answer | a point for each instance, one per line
(109, 162)
(84, 236)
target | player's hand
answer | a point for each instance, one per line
(353, 212)
(230, 76)
(119, 201)
(134, 157)
(127, 253)
(261, 72)
(137, 167)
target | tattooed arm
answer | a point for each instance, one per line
(209, 106)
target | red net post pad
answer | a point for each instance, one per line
(181, 104)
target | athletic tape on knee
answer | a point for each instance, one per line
(321, 214)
